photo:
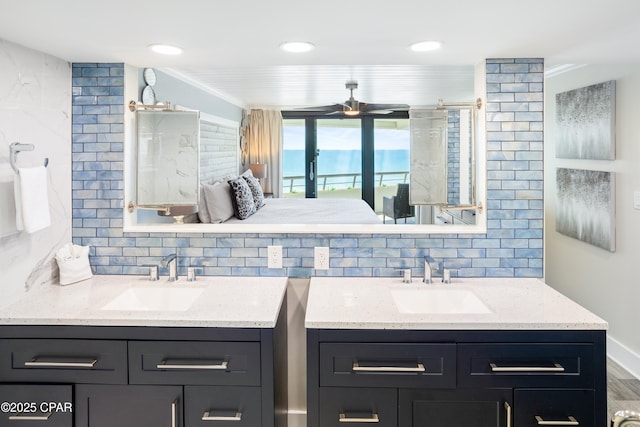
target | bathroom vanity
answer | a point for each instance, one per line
(481, 352)
(210, 352)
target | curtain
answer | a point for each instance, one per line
(264, 145)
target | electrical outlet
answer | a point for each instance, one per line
(274, 256)
(321, 258)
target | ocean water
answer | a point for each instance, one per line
(344, 161)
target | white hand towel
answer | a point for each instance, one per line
(32, 199)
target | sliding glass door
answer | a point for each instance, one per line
(362, 158)
(339, 159)
(391, 158)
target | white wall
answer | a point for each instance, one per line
(35, 108)
(606, 283)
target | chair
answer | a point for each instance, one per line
(398, 206)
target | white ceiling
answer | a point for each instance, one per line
(231, 47)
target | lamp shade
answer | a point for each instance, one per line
(259, 170)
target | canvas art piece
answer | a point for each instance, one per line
(585, 120)
(585, 207)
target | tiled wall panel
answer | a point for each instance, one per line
(512, 246)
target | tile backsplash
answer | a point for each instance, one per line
(512, 246)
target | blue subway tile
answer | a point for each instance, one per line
(217, 252)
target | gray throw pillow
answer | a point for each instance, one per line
(218, 200)
(203, 212)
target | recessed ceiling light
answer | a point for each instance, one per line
(297, 47)
(165, 49)
(425, 46)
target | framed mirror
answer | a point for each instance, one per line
(427, 219)
(167, 161)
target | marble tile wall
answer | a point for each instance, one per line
(512, 246)
(35, 108)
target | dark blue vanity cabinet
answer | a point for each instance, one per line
(414, 378)
(145, 376)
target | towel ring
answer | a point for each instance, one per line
(17, 147)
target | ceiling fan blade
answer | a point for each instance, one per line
(322, 108)
(378, 111)
(370, 108)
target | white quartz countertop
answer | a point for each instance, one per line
(229, 302)
(367, 303)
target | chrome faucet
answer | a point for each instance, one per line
(428, 271)
(171, 261)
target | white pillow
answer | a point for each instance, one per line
(218, 201)
(203, 212)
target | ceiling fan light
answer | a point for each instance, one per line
(351, 112)
(297, 47)
(165, 49)
(425, 46)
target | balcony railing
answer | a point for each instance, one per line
(328, 182)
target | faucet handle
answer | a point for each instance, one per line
(153, 272)
(406, 274)
(446, 276)
(191, 273)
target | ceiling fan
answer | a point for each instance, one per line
(353, 107)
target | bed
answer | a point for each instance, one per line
(233, 201)
(311, 211)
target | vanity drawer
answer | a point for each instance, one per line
(36, 405)
(388, 365)
(222, 406)
(67, 361)
(362, 406)
(198, 363)
(554, 407)
(567, 365)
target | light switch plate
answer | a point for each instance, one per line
(636, 199)
(321, 258)
(274, 256)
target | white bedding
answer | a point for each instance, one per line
(311, 211)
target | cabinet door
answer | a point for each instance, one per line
(128, 406)
(446, 408)
(535, 407)
(36, 405)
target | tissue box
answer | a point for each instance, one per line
(73, 263)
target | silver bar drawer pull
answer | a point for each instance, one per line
(35, 363)
(344, 419)
(166, 365)
(555, 368)
(507, 407)
(357, 368)
(209, 416)
(570, 421)
(174, 413)
(30, 417)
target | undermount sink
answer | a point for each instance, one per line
(155, 298)
(438, 301)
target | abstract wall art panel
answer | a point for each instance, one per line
(585, 207)
(585, 120)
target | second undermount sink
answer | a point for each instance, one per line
(155, 298)
(430, 300)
